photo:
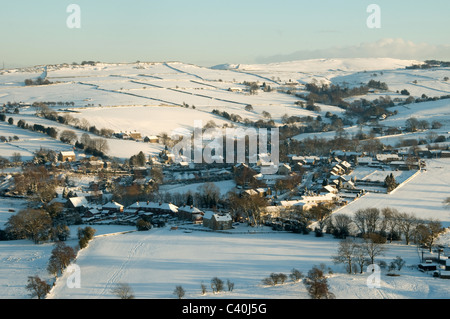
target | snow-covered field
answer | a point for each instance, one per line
(224, 187)
(422, 196)
(154, 262)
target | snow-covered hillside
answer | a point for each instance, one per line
(153, 98)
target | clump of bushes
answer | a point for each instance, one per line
(275, 279)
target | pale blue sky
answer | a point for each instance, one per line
(209, 32)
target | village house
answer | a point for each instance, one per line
(284, 169)
(77, 202)
(154, 208)
(191, 213)
(365, 160)
(346, 156)
(386, 158)
(341, 168)
(112, 208)
(94, 164)
(321, 198)
(121, 135)
(92, 213)
(217, 221)
(348, 184)
(329, 189)
(299, 205)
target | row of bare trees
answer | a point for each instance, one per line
(389, 223)
(61, 257)
(356, 253)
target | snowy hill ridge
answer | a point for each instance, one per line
(325, 65)
(310, 65)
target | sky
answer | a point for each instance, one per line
(211, 32)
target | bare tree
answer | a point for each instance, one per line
(179, 292)
(367, 220)
(373, 247)
(295, 275)
(99, 144)
(266, 115)
(84, 124)
(427, 232)
(390, 222)
(37, 182)
(61, 257)
(106, 132)
(209, 194)
(216, 285)
(360, 257)
(123, 291)
(68, 119)
(33, 224)
(16, 158)
(320, 213)
(68, 136)
(345, 254)
(446, 202)
(203, 286)
(85, 139)
(38, 287)
(317, 284)
(230, 285)
(340, 224)
(407, 224)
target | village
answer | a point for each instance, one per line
(98, 191)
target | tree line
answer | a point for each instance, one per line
(388, 224)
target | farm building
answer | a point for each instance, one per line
(68, 156)
(151, 139)
(135, 136)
